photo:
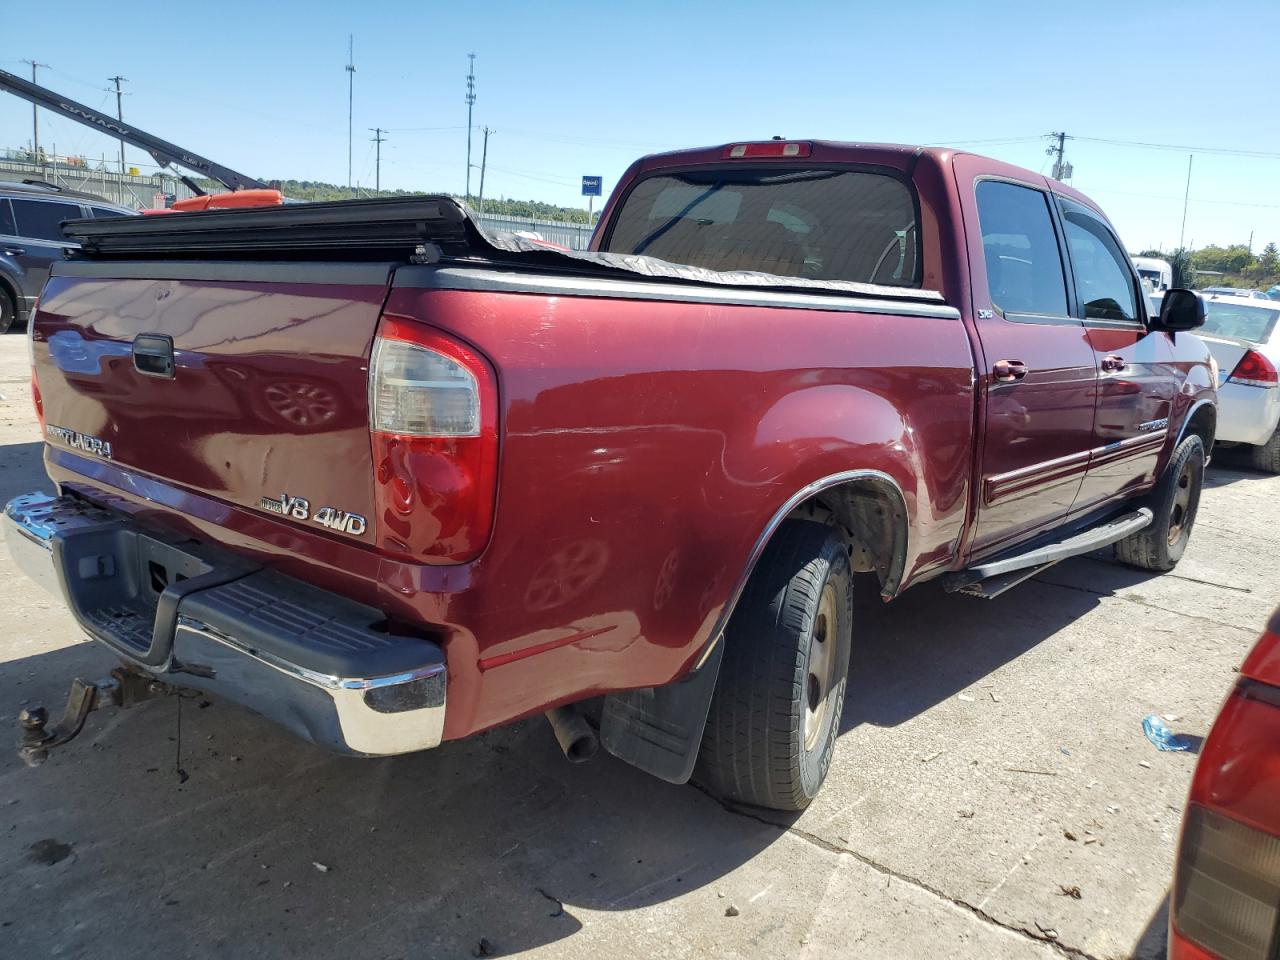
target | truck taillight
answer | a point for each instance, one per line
(433, 417)
(768, 148)
(31, 359)
(1254, 370)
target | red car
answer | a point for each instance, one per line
(1226, 899)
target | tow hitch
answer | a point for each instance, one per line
(123, 688)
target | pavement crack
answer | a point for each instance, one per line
(822, 843)
(1140, 603)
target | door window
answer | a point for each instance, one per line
(6, 219)
(1024, 264)
(42, 219)
(1104, 282)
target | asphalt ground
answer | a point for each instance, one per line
(992, 795)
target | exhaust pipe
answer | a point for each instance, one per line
(574, 734)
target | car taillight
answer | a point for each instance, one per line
(31, 360)
(1226, 898)
(1254, 370)
(433, 417)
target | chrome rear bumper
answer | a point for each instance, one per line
(315, 663)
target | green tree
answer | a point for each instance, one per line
(1184, 273)
(1233, 259)
(1269, 261)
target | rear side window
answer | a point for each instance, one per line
(6, 219)
(100, 212)
(1234, 320)
(42, 219)
(1024, 262)
(1103, 281)
(814, 224)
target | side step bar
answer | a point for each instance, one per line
(994, 577)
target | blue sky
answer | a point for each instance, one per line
(582, 88)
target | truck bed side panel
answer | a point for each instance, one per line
(646, 446)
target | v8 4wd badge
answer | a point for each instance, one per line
(299, 508)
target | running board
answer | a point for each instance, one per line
(996, 576)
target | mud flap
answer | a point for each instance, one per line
(659, 729)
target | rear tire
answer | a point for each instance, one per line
(1267, 456)
(771, 730)
(1174, 502)
(8, 311)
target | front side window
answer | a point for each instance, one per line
(1104, 284)
(1024, 263)
(42, 219)
(815, 224)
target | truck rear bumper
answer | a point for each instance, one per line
(324, 667)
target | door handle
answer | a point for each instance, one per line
(1007, 371)
(153, 355)
(14, 251)
(1114, 364)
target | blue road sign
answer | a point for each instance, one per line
(591, 186)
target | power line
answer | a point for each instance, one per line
(1182, 148)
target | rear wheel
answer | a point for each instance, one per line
(8, 311)
(775, 714)
(1267, 456)
(1174, 502)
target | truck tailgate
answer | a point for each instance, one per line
(265, 397)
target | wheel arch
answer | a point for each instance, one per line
(870, 509)
(1202, 420)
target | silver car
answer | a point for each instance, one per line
(1242, 334)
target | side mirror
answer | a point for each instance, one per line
(1181, 309)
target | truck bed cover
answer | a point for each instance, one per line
(421, 229)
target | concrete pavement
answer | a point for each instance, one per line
(992, 765)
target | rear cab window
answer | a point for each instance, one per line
(1255, 324)
(816, 224)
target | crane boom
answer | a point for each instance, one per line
(164, 152)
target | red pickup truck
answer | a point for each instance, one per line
(388, 480)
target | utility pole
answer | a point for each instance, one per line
(378, 138)
(1186, 199)
(471, 102)
(1061, 169)
(351, 96)
(35, 114)
(484, 160)
(117, 80)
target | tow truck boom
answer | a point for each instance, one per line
(164, 152)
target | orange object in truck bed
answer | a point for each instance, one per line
(228, 201)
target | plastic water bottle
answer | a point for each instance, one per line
(1158, 732)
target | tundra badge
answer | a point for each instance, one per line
(299, 508)
(80, 441)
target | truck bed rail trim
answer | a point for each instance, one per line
(236, 271)
(478, 278)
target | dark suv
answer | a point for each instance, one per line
(31, 215)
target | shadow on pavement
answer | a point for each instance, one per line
(21, 470)
(1153, 944)
(497, 837)
(928, 645)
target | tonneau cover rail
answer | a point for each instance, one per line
(424, 229)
